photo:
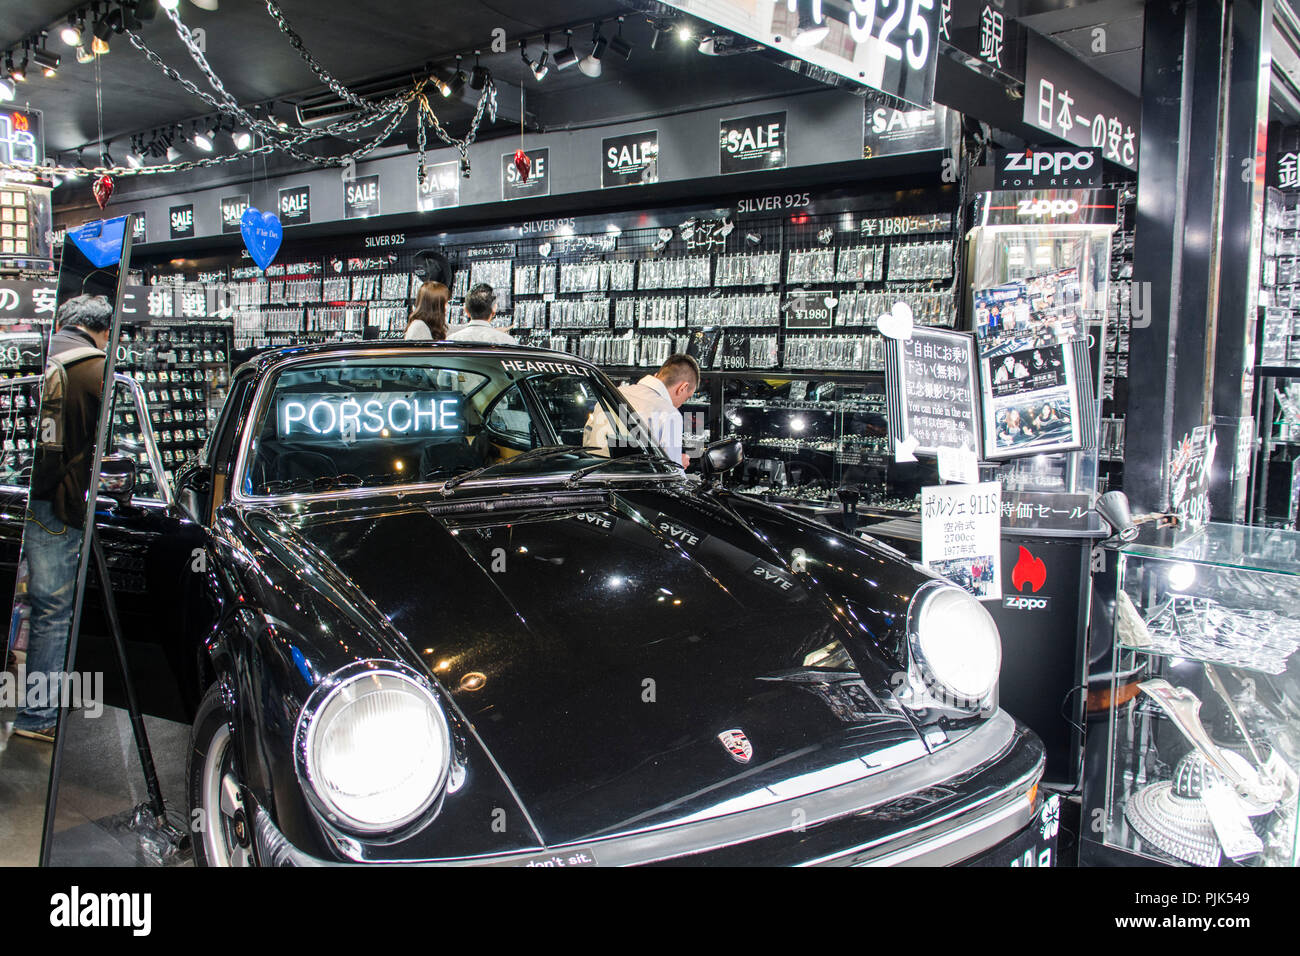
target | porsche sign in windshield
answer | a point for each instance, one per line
(347, 417)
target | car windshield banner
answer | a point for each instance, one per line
(349, 417)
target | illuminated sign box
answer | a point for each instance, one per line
(888, 45)
(348, 417)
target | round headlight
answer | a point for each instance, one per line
(957, 643)
(375, 748)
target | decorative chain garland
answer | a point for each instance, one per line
(394, 110)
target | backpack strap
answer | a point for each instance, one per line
(80, 353)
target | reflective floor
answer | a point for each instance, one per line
(101, 783)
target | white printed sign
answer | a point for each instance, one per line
(961, 535)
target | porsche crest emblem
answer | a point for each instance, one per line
(737, 745)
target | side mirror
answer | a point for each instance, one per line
(117, 478)
(721, 456)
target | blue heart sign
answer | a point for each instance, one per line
(262, 234)
(100, 241)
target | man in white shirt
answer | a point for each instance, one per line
(481, 306)
(656, 400)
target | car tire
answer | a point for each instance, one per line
(222, 831)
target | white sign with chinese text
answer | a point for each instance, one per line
(961, 535)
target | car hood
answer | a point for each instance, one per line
(633, 658)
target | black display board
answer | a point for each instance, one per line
(538, 183)
(440, 189)
(630, 160)
(751, 143)
(180, 219)
(361, 197)
(294, 207)
(232, 209)
(932, 390)
(1067, 98)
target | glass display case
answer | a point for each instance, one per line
(1039, 268)
(1204, 717)
(820, 443)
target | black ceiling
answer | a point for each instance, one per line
(358, 41)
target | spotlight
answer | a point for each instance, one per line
(47, 61)
(202, 139)
(243, 139)
(441, 85)
(458, 79)
(662, 32)
(566, 57)
(7, 91)
(71, 34)
(540, 68)
(479, 78)
(708, 46)
(684, 33)
(172, 154)
(590, 64)
(813, 27)
(103, 30)
(17, 72)
(169, 4)
(84, 55)
(618, 44)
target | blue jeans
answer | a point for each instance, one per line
(52, 549)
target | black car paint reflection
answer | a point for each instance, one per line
(588, 645)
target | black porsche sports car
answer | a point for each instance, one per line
(448, 604)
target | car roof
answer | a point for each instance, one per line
(269, 358)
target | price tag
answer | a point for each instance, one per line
(958, 465)
(961, 535)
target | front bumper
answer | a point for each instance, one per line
(939, 810)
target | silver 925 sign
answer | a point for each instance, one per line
(889, 45)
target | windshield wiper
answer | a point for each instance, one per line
(573, 479)
(542, 451)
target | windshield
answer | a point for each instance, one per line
(338, 423)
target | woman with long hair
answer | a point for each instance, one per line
(429, 317)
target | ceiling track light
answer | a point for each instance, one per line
(566, 57)
(103, 30)
(541, 67)
(479, 77)
(458, 79)
(17, 71)
(71, 34)
(46, 59)
(618, 45)
(202, 138)
(242, 139)
(662, 30)
(590, 64)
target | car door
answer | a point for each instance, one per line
(148, 546)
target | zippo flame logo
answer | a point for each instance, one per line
(1028, 570)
